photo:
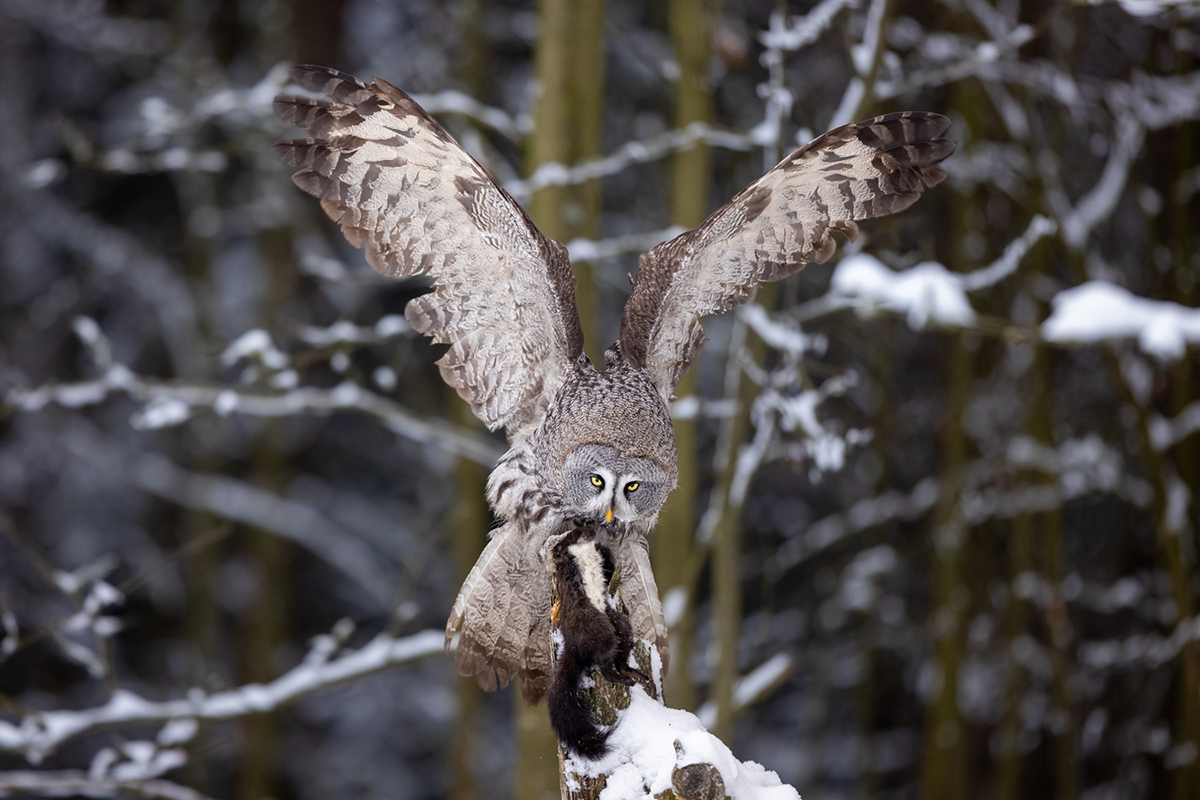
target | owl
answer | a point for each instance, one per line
(587, 446)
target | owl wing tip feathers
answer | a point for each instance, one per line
(772, 228)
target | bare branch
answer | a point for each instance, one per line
(1039, 228)
(637, 152)
(70, 783)
(515, 129)
(1166, 433)
(171, 402)
(38, 735)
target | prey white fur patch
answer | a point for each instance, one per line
(591, 569)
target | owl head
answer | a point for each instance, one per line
(610, 447)
(601, 483)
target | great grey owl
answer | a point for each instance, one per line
(583, 444)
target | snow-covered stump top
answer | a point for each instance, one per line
(654, 752)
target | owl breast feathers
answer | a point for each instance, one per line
(584, 445)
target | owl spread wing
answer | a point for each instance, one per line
(402, 188)
(771, 229)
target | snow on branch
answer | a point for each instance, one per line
(925, 293)
(652, 743)
(1146, 103)
(1143, 650)
(799, 32)
(1097, 205)
(75, 783)
(628, 154)
(1100, 311)
(752, 687)
(455, 102)
(169, 403)
(596, 249)
(961, 58)
(822, 446)
(768, 134)
(864, 59)
(1004, 266)
(347, 333)
(781, 332)
(163, 125)
(1166, 433)
(869, 513)
(41, 733)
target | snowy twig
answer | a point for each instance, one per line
(170, 403)
(628, 154)
(752, 687)
(1144, 104)
(1142, 650)
(768, 134)
(596, 249)
(344, 333)
(42, 733)
(454, 102)
(984, 60)
(863, 515)
(1165, 433)
(864, 59)
(781, 332)
(799, 32)
(1039, 228)
(1097, 205)
(752, 454)
(73, 783)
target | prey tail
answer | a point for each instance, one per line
(571, 716)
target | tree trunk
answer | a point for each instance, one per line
(674, 541)
(944, 770)
(568, 126)
(726, 543)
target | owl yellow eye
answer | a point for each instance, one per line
(631, 487)
(597, 481)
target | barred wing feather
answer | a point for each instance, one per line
(772, 228)
(404, 190)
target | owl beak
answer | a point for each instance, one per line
(608, 516)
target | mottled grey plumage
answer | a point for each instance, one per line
(584, 445)
(772, 228)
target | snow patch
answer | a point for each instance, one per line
(1099, 311)
(925, 293)
(161, 412)
(643, 755)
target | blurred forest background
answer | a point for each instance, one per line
(935, 537)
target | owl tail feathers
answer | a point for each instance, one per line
(499, 618)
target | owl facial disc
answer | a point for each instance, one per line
(601, 483)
